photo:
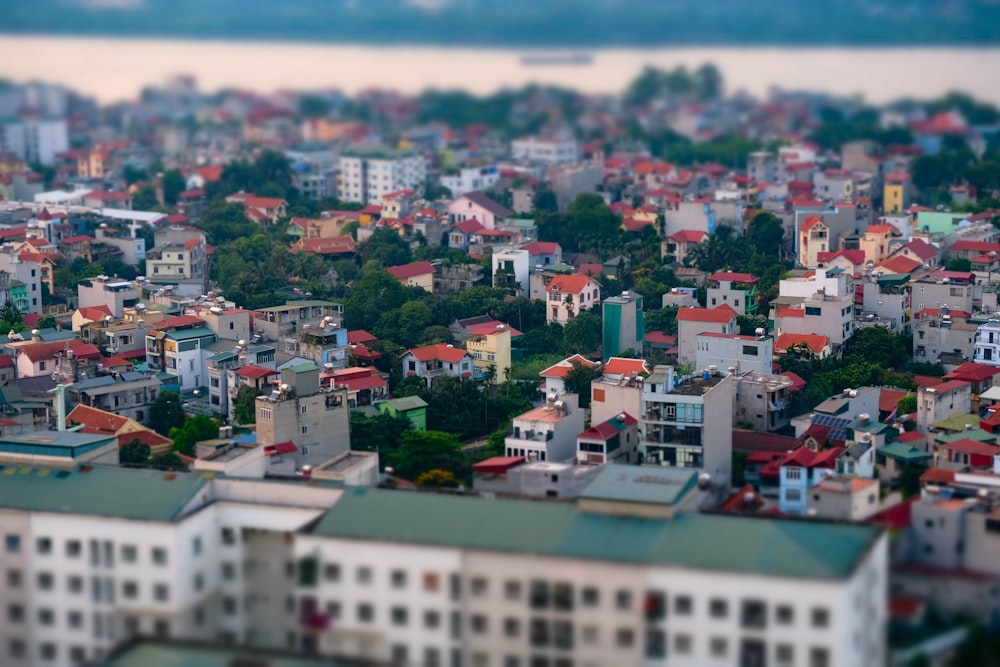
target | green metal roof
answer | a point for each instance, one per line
(763, 545)
(224, 356)
(903, 452)
(405, 403)
(188, 334)
(957, 422)
(302, 368)
(893, 279)
(977, 434)
(641, 484)
(145, 495)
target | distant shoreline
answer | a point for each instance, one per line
(117, 68)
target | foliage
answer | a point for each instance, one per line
(173, 185)
(379, 433)
(879, 343)
(144, 199)
(372, 295)
(959, 264)
(528, 368)
(909, 480)
(766, 234)
(194, 430)
(582, 333)
(244, 407)
(166, 413)
(588, 226)
(460, 406)
(662, 319)
(705, 83)
(386, 247)
(423, 451)
(981, 648)
(720, 250)
(578, 380)
(134, 452)
(907, 405)
(167, 460)
(437, 478)
(748, 324)
(269, 172)
(9, 313)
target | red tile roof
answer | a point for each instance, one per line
(94, 313)
(721, 314)
(440, 351)
(570, 284)
(896, 517)
(287, 447)
(255, 372)
(798, 384)
(735, 277)
(470, 226)
(969, 446)
(562, 368)
(804, 457)
(855, 257)
(980, 247)
(623, 366)
(359, 383)
(488, 328)
(922, 249)
(689, 236)
(937, 476)
(888, 398)
(606, 429)
(948, 387)
(359, 336)
(333, 245)
(410, 270)
(95, 420)
(811, 221)
(497, 465)
(790, 311)
(969, 371)
(179, 321)
(815, 342)
(660, 338)
(541, 248)
(899, 264)
(45, 351)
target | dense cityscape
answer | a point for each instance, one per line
(677, 376)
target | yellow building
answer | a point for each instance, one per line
(417, 274)
(489, 346)
(875, 242)
(91, 164)
(896, 193)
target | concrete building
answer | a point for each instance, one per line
(468, 179)
(278, 323)
(948, 336)
(34, 139)
(738, 290)
(619, 390)
(489, 345)
(888, 297)
(736, 352)
(821, 304)
(511, 271)
(369, 173)
(623, 325)
(545, 150)
(956, 290)
(433, 361)
(762, 400)
(556, 373)
(801, 471)
(547, 433)
(477, 206)
(415, 274)
(513, 476)
(179, 259)
(568, 295)
(128, 395)
(686, 423)
(313, 418)
(941, 401)
(844, 498)
(183, 353)
(113, 293)
(613, 440)
(25, 279)
(571, 180)
(694, 321)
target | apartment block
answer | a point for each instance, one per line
(547, 433)
(369, 173)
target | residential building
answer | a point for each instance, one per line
(693, 321)
(618, 390)
(942, 331)
(34, 139)
(547, 433)
(680, 243)
(132, 248)
(814, 238)
(941, 401)
(127, 394)
(950, 289)
(556, 373)
(735, 352)
(987, 341)
(415, 274)
(739, 290)
(179, 259)
(623, 325)
(545, 150)
(364, 385)
(816, 345)
(455, 278)
(568, 181)
(477, 206)
(315, 419)
(897, 192)
(701, 215)
(94, 421)
(686, 424)
(844, 498)
(888, 297)
(489, 346)
(468, 179)
(325, 344)
(822, 304)
(511, 270)
(801, 471)
(25, 279)
(183, 353)
(513, 476)
(613, 440)
(762, 400)
(277, 323)
(413, 408)
(568, 295)
(433, 361)
(875, 242)
(54, 450)
(367, 173)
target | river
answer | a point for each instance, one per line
(116, 69)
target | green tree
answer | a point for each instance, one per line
(374, 293)
(959, 264)
(582, 333)
(194, 430)
(877, 343)
(134, 452)
(244, 406)
(173, 185)
(144, 199)
(907, 405)
(766, 234)
(166, 413)
(132, 174)
(722, 249)
(422, 451)
(438, 479)
(168, 461)
(10, 314)
(386, 247)
(578, 379)
(379, 433)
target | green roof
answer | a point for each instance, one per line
(151, 653)
(957, 422)
(903, 452)
(144, 495)
(302, 368)
(224, 356)
(188, 334)
(405, 403)
(977, 434)
(940, 222)
(641, 484)
(893, 279)
(762, 545)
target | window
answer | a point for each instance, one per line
(43, 546)
(754, 614)
(398, 578)
(48, 651)
(15, 613)
(656, 643)
(130, 590)
(366, 614)
(159, 556)
(14, 578)
(228, 536)
(718, 647)
(432, 581)
(304, 409)
(196, 545)
(400, 655)
(432, 657)
(562, 634)
(512, 590)
(161, 592)
(46, 617)
(129, 553)
(682, 644)
(623, 600)
(562, 596)
(591, 597)
(17, 648)
(228, 571)
(399, 616)
(73, 549)
(819, 657)
(785, 615)
(75, 584)
(751, 350)
(785, 655)
(265, 413)
(478, 587)
(364, 575)
(45, 581)
(229, 605)
(539, 594)
(12, 543)
(539, 632)
(478, 624)
(820, 617)
(624, 637)
(331, 572)
(792, 472)
(511, 627)
(718, 608)
(683, 605)
(432, 619)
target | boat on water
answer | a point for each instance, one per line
(573, 59)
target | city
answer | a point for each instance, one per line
(681, 375)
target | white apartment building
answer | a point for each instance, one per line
(115, 293)
(511, 270)
(468, 179)
(550, 150)
(369, 173)
(547, 433)
(375, 574)
(34, 139)
(28, 272)
(742, 353)
(688, 424)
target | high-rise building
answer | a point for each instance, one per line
(369, 173)
(624, 327)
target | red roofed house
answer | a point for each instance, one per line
(921, 251)
(693, 321)
(89, 314)
(898, 265)
(555, 374)
(852, 261)
(971, 249)
(461, 233)
(543, 253)
(416, 274)
(568, 295)
(875, 242)
(477, 205)
(616, 439)
(739, 290)
(960, 455)
(679, 244)
(326, 247)
(814, 238)
(34, 358)
(126, 430)
(265, 210)
(433, 361)
(818, 345)
(364, 385)
(801, 470)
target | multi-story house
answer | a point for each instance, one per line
(181, 263)
(477, 206)
(367, 173)
(547, 433)
(952, 289)
(468, 179)
(738, 290)
(942, 331)
(555, 374)
(687, 423)
(183, 353)
(693, 321)
(25, 279)
(433, 361)
(623, 325)
(823, 304)
(34, 139)
(888, 297)
(762, 400)
(489, 346)
(942, 401)
(896, 192)
(128, 394)
(736, 352)
(613, 440)
(619, 389)
(874, 242)
(325, 344)
(278, 323)
(844, 498)
(511, 271)
(987, 341)
(415, 274)
(315, 419)
(814, 238)
(801, 470)
(114, 294)
(568, 295)
(545, 150)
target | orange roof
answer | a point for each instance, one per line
(95, 420)
(209, 173)
(440, 351)
(572, 283)
(899, 264)
(263, 202)
(811, 222)
(815, 342)
(721, 314)
(790, 311)
(623, 366)
(881, 229)
(335, 245)
(410, 270)
(888, 398)
(562, 369)
(94, 313)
